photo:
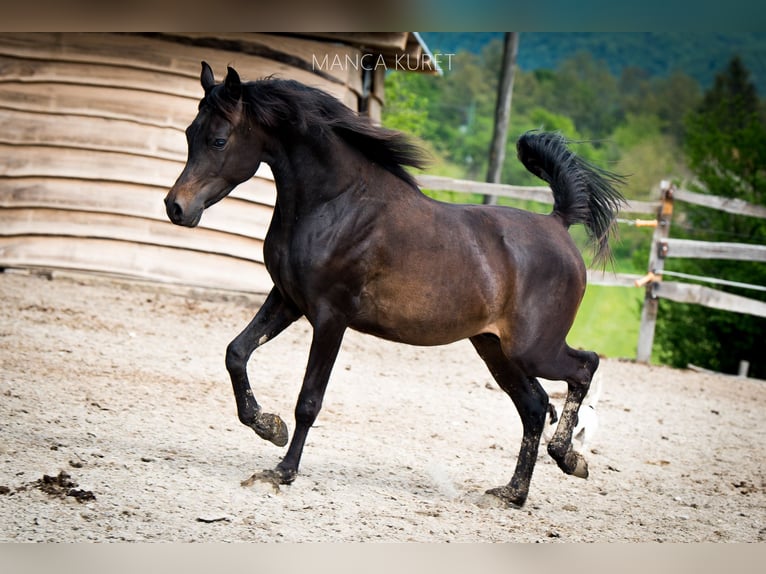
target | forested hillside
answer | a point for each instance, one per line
(631, 112)
(700, 55)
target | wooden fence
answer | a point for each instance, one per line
(663, 247)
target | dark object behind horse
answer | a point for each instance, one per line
(353, 243)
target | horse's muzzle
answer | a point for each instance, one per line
(179, 216)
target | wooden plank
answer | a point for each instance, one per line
(727, 204)
(531, 193)
(68, 224)
(709, 280)
(154, 109)
(151, 262)
(147, 64)
(714, 250)
(742, 370)
(75, 194)
(44, 66)
(241, 216)
(713, 298)
(92, 133)
(390, 41)
(634, 206)
(54, 162)
(612, 279)
(48, 161)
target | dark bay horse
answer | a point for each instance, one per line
(353, 243)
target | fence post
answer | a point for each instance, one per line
(656, 265)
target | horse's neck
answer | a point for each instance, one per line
(308, 176)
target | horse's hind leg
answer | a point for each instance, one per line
(577, 369)
(272, 318)
(530, 400)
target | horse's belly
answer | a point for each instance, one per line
(413, 333)
(427, 318)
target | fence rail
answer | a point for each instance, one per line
(727, 204)
(713, 298)
(541, 194)
(692, 249)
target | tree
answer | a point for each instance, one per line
(587, 92)
(726, 149)
(502, 111)
(406, 107)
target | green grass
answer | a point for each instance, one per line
(608, 321)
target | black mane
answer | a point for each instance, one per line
(275, 103)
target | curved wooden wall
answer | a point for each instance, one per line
(92, 137)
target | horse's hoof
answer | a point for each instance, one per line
(270, 427)
(273, 477)
(571, 463)
(581, 467)
(503, 496)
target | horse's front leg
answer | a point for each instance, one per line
(325, 344)
(272, 318)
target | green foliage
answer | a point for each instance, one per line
(726, 149)
(650, 155)
(406, 105)
(591, 97)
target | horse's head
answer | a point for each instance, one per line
(224, 150)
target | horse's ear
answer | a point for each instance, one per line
(233, 84)
(206, 77)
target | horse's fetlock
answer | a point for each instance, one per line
(248, 419)
(557, 450)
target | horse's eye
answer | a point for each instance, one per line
(218, 143)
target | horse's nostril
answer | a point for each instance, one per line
(175, 211)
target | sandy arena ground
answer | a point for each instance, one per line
(121, 387)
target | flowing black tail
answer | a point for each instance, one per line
(582, 192)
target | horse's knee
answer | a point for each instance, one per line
(236, 357)
(307, 410)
